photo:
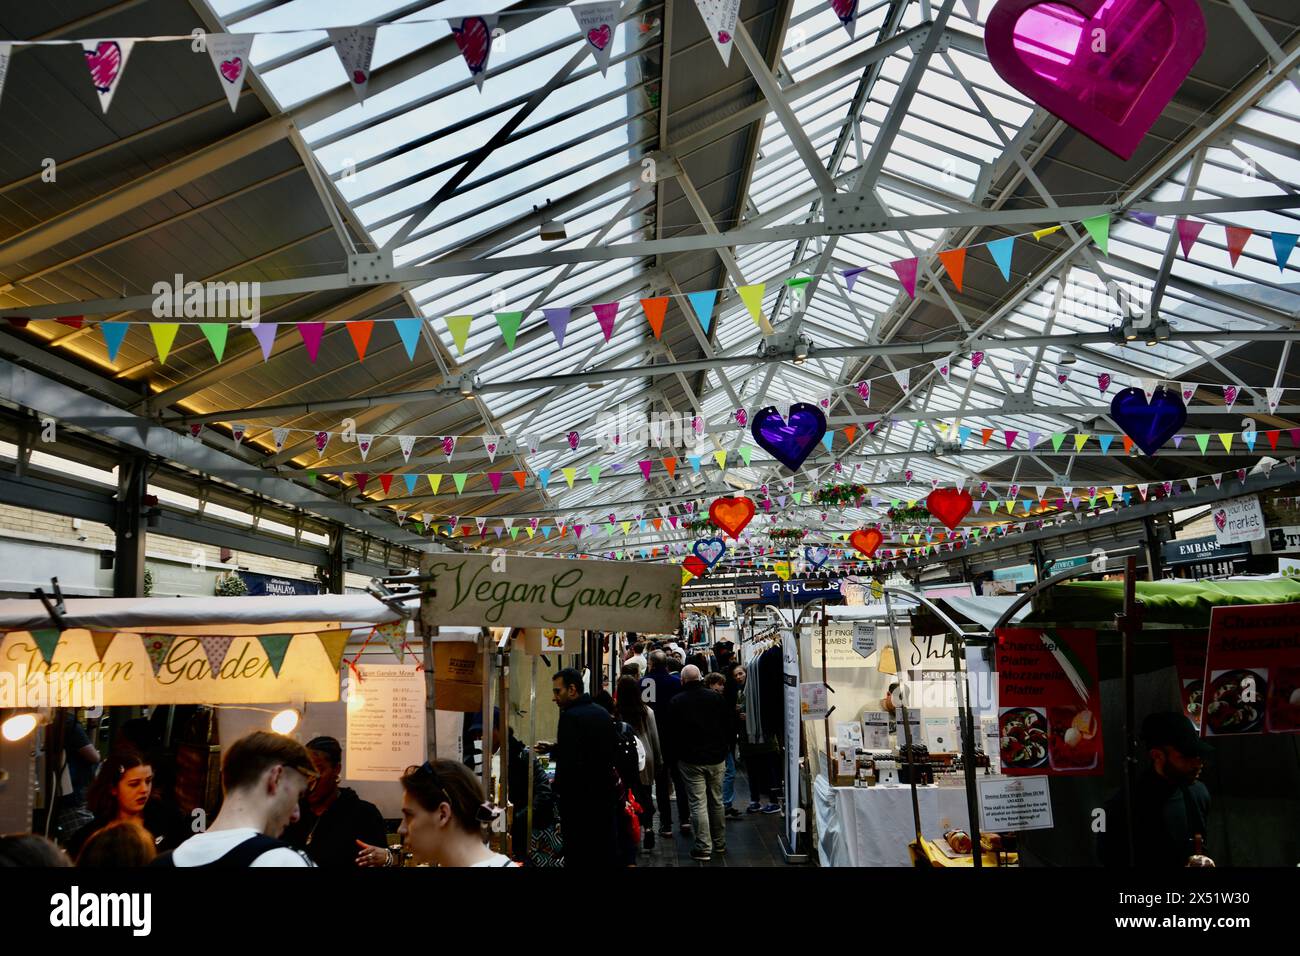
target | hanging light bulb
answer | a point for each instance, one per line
(19, 726)
(285, 722)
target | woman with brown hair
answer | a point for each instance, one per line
(445, 816)
(121, 793)
(121, 843)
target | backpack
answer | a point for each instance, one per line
(240, 855)
(629, 754)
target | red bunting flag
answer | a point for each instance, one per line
(1237, 237)
(954, 260)
(386, 482)
(655, 310)
(361, 480)
(360, 332)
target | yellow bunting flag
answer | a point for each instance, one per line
(434, 482)
(752, 296)
(164, 334)
(458, 325)
(1080, 441)
(333, 642)
(721, 458)
(1226, 438)
(569, 475)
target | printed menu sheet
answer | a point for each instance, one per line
(386, 722)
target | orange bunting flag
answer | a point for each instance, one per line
(849, 432)
(658, 523)
(986, 434)
(1237, 237)
(1128, 444)
(360, 332)
(655, 310)
(520, 478)
(954, 260)
(670, 465)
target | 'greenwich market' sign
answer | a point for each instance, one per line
(501, 591)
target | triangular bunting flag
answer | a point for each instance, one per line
(264, 332)
(157, 647)
(215, 647)
(1000, 250)
(333, 643)
(752, 296)
(435, 481)
(720, 21)
(106, 60)
(509, 323)
(605, 315)
(1283, 244)
(114, 333)
(458, 325)
(359, 331)
(164, 334)
(702, 305)
(1237, 237)
(229, 53)
(216, 334)
(655, 310)
(1187, 233)
(311, 333)
(407, 444)
(558, 319)
(473, 36)
(355, 47)
(459, 479)
(47, 640)
(905, 269)
(1099, 228)
(409, 332)
(101, 641)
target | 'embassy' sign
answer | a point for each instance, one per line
(549, 592)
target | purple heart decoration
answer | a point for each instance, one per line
(1149, 423)
(789, 441)
(817, 556)
(710, 550)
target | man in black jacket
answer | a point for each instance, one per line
(700, 728)
(333, 818)
(585, 780)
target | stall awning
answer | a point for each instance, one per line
(1167, 603)
(126, 613)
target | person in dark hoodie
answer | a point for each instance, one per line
(333, 819)
(701, 730)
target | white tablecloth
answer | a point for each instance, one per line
(872, 826)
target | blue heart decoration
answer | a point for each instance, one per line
(710, 550)
(1149, 424)
(817, 556)
(793, 440)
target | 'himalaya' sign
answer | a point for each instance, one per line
(482, 589)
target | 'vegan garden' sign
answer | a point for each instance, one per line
(483, 589)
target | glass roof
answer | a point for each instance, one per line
(953, 138)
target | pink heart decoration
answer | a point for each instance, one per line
(1221, 519)
(448, 446)
(1103, 382)
(599, 37)
(232, 69)
(105, 63)
(908, 475)
(742, 417)
(697, 425)
(724, 36)
(864, 390)
(1107, 69)
(846, 10)
(474, 42)
(1013, 491)
(1061, 377)
(984, 488)
(573, 441)
(359, 76)
(976, 359)
(1241, 474)
(365, 447)
(1229, 394)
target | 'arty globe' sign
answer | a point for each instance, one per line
(500, 591)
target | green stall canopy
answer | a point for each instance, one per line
(1164, 603)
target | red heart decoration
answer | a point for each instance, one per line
(695, 565)
(1106, 69)
(473, 42)
(866, 541)
(949, 505)
(732, 514)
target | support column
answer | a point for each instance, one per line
(129, 527)
(337, 563)
(1155, 566)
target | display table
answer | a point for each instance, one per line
(872, 826)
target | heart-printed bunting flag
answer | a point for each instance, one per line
(710, 550)
(106, 60)
(355, 47)
(473, 36)
(732, 514)
(1149, 423)
(1112, 91)
(720, 20)
(817, 556)
(230, 56)
(1103, 382)
(789, 440)
(866, 541)
(949, 505)
(1221, 519)
(596, 23)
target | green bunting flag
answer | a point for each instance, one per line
(1203, 441)
(275, 646)
(157, 646)
(509, 323)
(216, 334)
(47, 640)
(1057, 439)
(459, 478)
(1099, 228)
(745, 452)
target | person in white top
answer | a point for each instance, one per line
(263, 776)
(638, 658)
(445, 816)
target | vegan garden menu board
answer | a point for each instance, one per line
(1252, 670)
(1049, 702)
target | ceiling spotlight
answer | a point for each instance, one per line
(551, 228)
(801, 351)
(1068, 358)
(466, 385)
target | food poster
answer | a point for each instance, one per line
(1049, 701)
(1252, 671)
(1189, 663)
